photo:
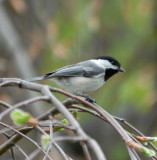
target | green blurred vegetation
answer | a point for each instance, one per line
(81, 30)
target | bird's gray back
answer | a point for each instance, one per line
(82, 69)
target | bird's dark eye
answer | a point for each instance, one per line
(112, 62)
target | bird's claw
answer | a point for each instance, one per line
(88, 98)
(91, 100)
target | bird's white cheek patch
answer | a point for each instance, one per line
(104, 64)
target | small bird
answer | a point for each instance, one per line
(84, 77)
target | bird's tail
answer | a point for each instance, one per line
(35, 79)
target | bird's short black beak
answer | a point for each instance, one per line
(121, 69)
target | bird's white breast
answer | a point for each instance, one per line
(77, 85)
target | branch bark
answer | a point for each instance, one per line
(59, 107)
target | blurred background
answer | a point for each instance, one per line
(37, 37)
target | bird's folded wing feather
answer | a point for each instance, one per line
(77, 70)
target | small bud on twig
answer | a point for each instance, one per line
(148, 152)
(146, 139)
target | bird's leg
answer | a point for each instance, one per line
(88, 98)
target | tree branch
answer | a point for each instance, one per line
(59, 107)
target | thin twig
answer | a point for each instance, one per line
(86, 151)
(5, 130)
(26, 138)
(61, 108)
(139, 133)
(22, 151)
(11, 149)
(92, 143)
(48, 150)
(62, 153)
(24, 103)
(41, 130)
(34, 154)
(6, 105)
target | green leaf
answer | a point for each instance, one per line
(152, 139)
(64, 121)
(75, 113)
(58, 128)
(20, 117)
(148, 152)
(45, 139)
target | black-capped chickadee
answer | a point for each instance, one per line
(83, 77)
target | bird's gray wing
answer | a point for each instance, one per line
(83, 69)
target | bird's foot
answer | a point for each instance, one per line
(89, 99)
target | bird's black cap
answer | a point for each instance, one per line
(110, 59)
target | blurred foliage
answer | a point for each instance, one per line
(81, 30)
(58, 33)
